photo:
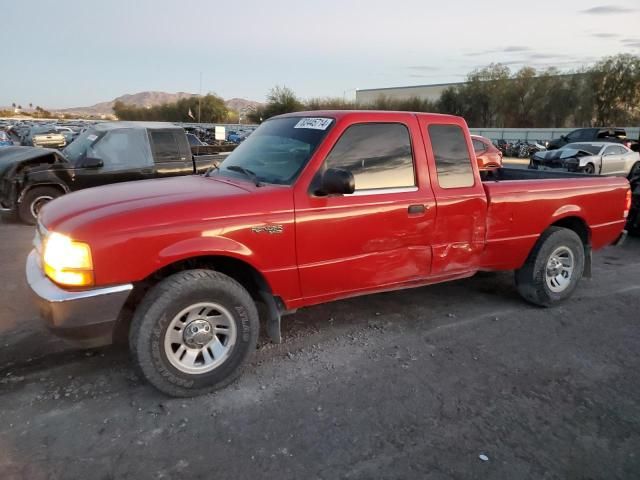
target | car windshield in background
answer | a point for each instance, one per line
(77, 150)
(277, 151)
(592, 149)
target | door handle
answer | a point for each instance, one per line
(417, 209)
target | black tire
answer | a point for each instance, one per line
(33, 201)
(531, 279)
(589, 169)
(162, 303)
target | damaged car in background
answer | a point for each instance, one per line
(593, 158)
(105, 153)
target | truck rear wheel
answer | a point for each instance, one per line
(193, 332)
(553, 269)
(33, 201)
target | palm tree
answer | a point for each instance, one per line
(13, 104)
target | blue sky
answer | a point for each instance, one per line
(76, 53)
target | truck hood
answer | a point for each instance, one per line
(134, 202)
(13, 157)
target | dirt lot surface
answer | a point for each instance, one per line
(412, 384)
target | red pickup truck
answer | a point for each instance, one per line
(312, 207)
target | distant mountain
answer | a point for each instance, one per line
(239, 104)
(150, 99)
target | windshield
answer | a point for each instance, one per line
(592, 149)
(42, 130)
(278, 150)
(77, 150)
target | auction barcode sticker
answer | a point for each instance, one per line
(314, 123)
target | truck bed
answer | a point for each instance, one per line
(507, 173)
(521, 203)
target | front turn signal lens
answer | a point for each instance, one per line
(67, 262)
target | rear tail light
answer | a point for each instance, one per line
(627, 204)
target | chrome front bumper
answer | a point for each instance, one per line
(87, 316)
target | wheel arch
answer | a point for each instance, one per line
(578, 225)
(238, 269)
(30, 186)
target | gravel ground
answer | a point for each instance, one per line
(419, 383)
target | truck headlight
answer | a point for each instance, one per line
(67, 262)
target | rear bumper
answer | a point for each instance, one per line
(86, 317)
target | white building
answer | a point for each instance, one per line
(429, 92)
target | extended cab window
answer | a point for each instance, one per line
(453, 163)
(377, 154)
(165, 147)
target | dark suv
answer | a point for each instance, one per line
(610, 134)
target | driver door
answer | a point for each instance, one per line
(612, 160)
(125, 156)
(379, 236)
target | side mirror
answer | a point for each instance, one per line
(337, 182)
(91, 162)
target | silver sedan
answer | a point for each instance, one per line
(595, 158)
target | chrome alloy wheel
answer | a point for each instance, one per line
(38, 203)
(559, 269)
(200, 338)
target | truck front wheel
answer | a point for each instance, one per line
(33, 201)
(553, 268)
(192, 332)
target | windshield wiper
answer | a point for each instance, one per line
(246, 172)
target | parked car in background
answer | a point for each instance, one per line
(68, 133)
(105, 153)
(582, 135)
(44, 136)
(5, 141)
(593, 158)
(194, 141)
(313, 207)
(237, 137)
(488, 156)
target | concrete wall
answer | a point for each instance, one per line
(535, 133)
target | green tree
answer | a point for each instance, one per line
(616, 83)
(281, 99)
(209, 109)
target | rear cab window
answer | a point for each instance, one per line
(165, 146)
(379, 155)
(453, 163)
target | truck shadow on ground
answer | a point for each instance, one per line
(36, 354)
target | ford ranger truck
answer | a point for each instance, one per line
(311, 208)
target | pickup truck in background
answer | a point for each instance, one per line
(105, 153)
(582, 135)
(311, 208)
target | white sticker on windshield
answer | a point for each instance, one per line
(314, 123)
(91, 138)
